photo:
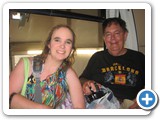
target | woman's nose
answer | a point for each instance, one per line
(62, 45)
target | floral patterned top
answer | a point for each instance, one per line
(54, 89)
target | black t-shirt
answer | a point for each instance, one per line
(124, 75)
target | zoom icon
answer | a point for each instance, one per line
(147, 99)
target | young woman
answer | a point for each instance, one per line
(60, 86)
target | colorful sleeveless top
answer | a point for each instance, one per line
(54, 89)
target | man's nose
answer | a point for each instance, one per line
(113, 40)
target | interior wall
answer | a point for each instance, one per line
(86, 33)
(139, 15)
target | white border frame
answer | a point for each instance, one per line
(8, 6)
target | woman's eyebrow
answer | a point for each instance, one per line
(56, 38)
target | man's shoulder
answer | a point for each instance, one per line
(134, 52)
(99, 52)
(97, 56)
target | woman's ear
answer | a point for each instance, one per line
(71, 51)
(49, 46)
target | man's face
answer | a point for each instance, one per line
(114, 38)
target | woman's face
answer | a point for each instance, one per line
(114, 38)
(61, 43)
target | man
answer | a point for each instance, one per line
(118, 68)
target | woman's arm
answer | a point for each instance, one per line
(16, 78)
(20, 102)
(75, 89)
(16, 82)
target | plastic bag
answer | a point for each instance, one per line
(102, 99)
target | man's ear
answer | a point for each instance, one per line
(103, 37)
(125, 35)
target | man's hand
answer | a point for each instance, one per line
(88, 86)
(134, 105)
